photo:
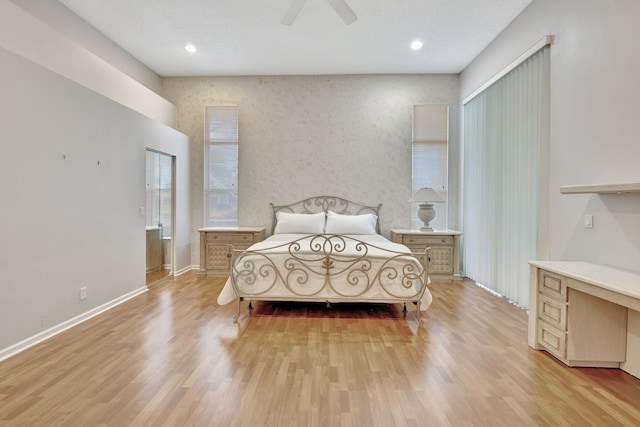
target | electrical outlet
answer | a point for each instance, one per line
(588, 221)
(83, 293)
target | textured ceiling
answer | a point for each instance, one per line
(246, 37)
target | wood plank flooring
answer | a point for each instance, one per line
(157, 275)
(173, 357)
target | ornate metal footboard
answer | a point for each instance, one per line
(329, 268)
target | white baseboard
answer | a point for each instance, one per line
(55, 330)
(186, 269)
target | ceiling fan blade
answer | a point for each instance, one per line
(342, 8)
(293, 11)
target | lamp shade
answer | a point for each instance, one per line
(426, 194)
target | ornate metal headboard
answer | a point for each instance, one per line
(325, 203)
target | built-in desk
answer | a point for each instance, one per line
(586, 314)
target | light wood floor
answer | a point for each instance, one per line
(157, 275)
(173, 357)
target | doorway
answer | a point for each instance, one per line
(159, 212)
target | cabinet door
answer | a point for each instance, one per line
(441, 260)
(217, 257)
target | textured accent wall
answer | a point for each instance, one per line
(302, 136)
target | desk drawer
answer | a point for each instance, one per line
(552, 339)
(553, 285)
(553, 312)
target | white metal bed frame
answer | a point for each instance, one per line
(307, 274)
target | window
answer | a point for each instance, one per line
(429, 158)
(221, 166)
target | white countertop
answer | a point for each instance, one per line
(624, 282)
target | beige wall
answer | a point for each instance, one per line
(64, 21)
(39, 41)
(74, 175)
(595, 64)
(303, 136)
(75, 179)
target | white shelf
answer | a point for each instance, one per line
(633, 187)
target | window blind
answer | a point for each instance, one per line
(221, 166)
(430, 158)
(222, 123)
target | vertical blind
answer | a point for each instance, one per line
(503, 128)
(429, 158)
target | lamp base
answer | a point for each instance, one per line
(426, 213)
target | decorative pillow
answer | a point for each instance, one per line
(299, 223)
(350, 224)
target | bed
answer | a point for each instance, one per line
(327, 249)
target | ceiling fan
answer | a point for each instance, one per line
(340, 6)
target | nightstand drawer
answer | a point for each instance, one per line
(412, 240)
(231, 237)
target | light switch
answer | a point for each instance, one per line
(588, 221)
(141, 210)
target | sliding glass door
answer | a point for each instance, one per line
(504, 165)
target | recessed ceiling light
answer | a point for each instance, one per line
(190, 48)
(416, 45)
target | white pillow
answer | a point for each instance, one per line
(299, 223)
(350, 224)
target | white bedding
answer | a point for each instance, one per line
(346, 281)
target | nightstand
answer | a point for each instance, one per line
(444, 256)
(214, 247)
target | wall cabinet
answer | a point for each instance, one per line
(444, 258)
(215, 258)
